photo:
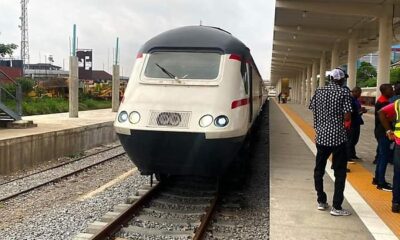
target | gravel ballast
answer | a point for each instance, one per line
(244, 213)
(14, 187)
(54, 212)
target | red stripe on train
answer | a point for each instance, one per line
(238, 103)
(235, 57)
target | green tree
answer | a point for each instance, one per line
(27, 85)
(395, 75)
(7, 49)
(366, 74)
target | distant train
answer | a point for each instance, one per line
(191, 100)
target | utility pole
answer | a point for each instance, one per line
(24, 32)
(24, 51)
(115, 81)
(73, 80)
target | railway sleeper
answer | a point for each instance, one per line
(179, 221)
(83, 236)
(95, 227)
(185, 197)
(175, 204)
(121, 207)
(162, 225)
(187, 200)
(135, 231)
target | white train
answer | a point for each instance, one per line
(191, 100)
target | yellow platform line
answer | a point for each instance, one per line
(360, 178)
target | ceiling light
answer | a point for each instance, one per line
(294, 36)
(304, 14)
(298, 28)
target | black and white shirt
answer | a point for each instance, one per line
(329, 104)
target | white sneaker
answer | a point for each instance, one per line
(323, 206)
(341, 212)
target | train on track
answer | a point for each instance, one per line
(191, 101)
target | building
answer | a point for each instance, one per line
(9, 74)
(44, 70)
(101, 76)
(372, 58)
(42, 66)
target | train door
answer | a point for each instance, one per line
(249, 81)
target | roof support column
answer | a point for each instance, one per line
(298, 88)
(303, 87)
(308, 85)
(335, 56)
(314, 77)
(298, 80)
(352, 62)
(291, 89)
(385, 41)
(322, 69)
(280, 86)
(294, 92)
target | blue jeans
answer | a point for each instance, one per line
(396, 175)
(383, 158)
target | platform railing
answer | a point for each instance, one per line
(17, 97)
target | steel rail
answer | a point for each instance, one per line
(205, 220)
(60, 177)
(58, 165)
(122, 219)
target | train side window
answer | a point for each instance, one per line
(245, 76)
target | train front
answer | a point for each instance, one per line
(181, 112)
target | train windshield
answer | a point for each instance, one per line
(183, 65)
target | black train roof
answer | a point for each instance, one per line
(197, 37)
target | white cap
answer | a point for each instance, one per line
(338, 74)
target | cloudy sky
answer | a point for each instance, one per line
(99, 22)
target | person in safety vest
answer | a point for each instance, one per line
(387, 115)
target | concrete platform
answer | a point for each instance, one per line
(56, 135)
(293, 198)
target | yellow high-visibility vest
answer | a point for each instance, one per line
(397, 123)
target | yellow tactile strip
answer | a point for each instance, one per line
(360, 178)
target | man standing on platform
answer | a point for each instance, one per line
(386, 115)
(331, 107)
(383, 142)
(356, 122)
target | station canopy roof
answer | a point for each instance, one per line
(306, 28)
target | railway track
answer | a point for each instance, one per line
(21, 185)
(168, 210)
(59, 165)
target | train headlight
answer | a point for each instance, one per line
(134, 117)
(206, 120)
(122, 117)
(221, 121)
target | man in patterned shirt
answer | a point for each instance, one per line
(331, 106)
